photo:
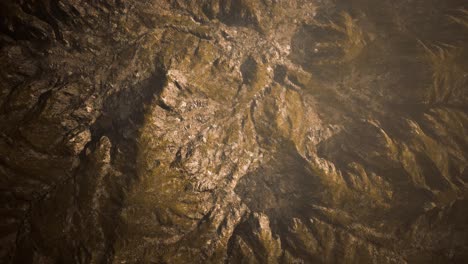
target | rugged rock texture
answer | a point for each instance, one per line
(234, 131)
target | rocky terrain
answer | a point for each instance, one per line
(234, 131)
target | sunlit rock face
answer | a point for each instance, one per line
(223, 131)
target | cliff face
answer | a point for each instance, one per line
(251, 131)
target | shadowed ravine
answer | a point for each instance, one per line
(225, 131)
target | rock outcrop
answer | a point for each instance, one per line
(222, 131)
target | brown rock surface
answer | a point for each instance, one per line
(222, 131)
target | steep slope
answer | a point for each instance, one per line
(249, 131)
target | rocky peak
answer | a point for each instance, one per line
(247, 131)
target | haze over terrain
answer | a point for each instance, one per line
(233, 131)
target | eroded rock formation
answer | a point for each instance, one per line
(233, 131)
